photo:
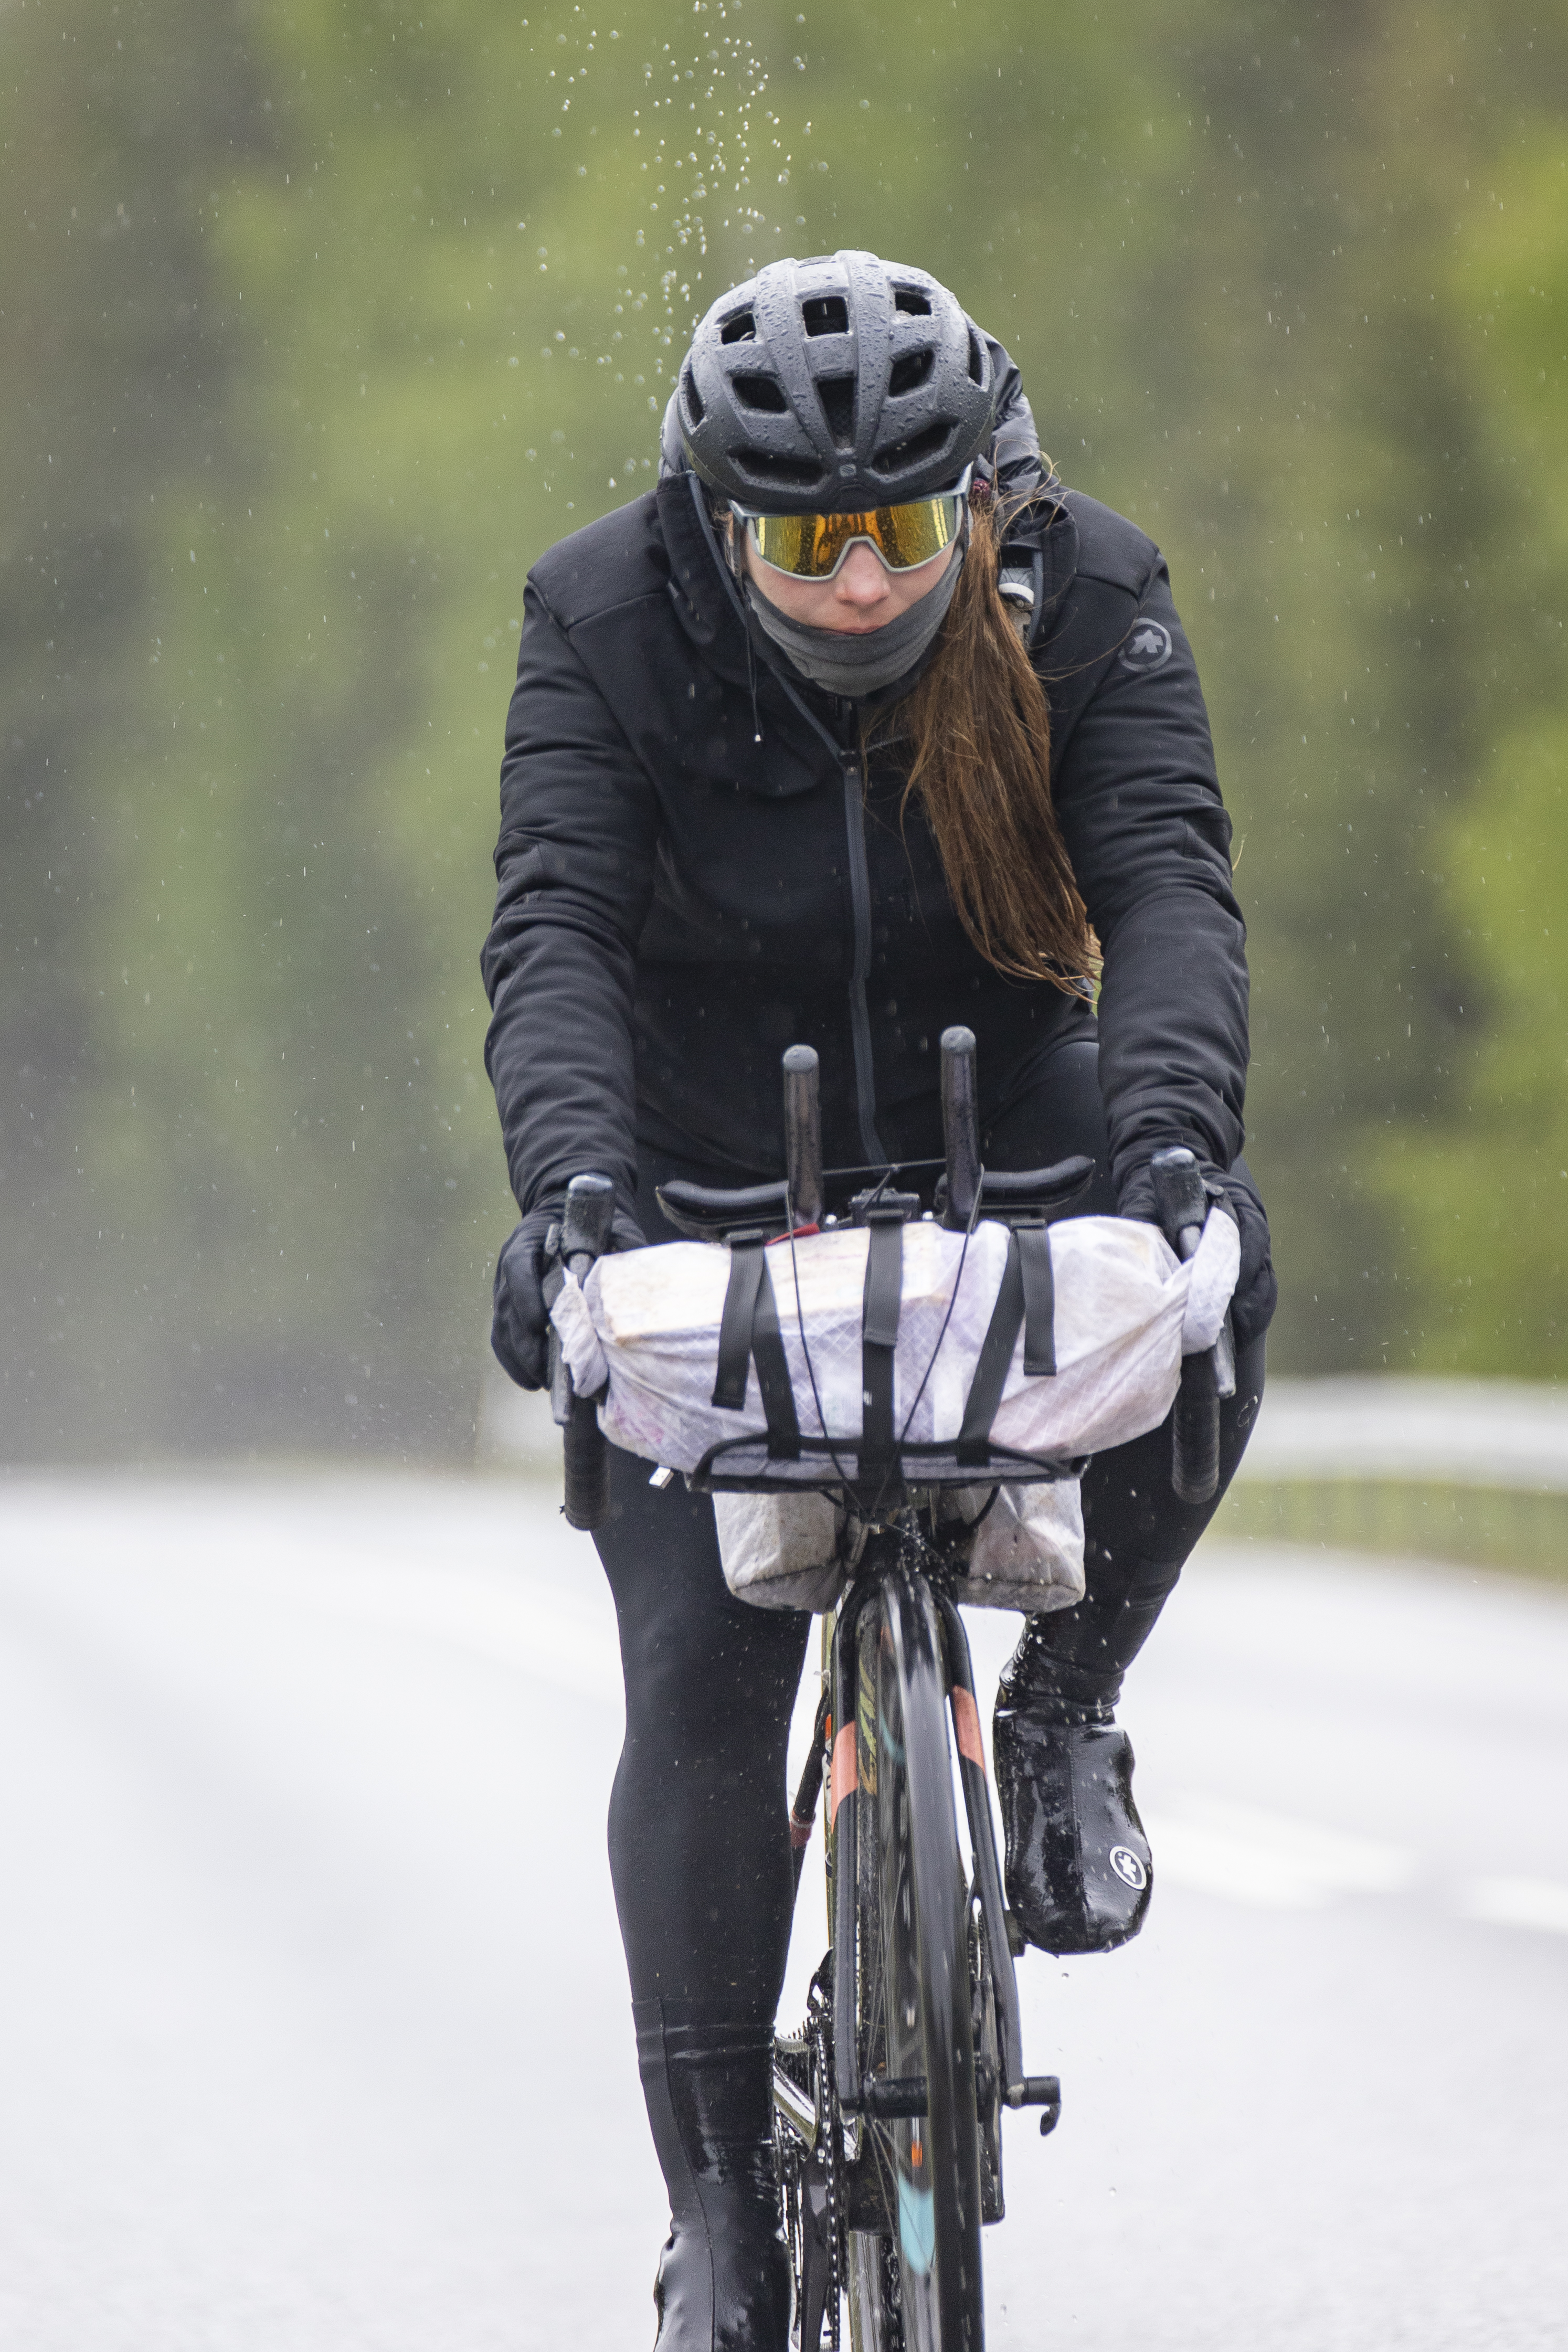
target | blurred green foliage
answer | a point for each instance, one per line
(321, 323)
(1481, 1194)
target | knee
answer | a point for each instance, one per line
(713, 1687)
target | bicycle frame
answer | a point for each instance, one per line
(827, 2122)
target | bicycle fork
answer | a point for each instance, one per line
(855, 2096)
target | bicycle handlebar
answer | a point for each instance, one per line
(1184, 1204)
(1013, 1196)
(959, 1126)
(584, 1235)
(803, 1134)
(1021, 1195)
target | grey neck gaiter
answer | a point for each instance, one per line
(842, 662)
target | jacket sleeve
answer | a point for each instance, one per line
(1139, 803)
(575, 872)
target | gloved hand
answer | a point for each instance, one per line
(520, 1327)
(1257, 1291)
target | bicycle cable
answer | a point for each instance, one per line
(953, 1301)
(958, 1278)
(805, 1351)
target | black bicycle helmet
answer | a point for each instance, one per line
(836, 383)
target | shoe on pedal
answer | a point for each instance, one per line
(1079, 1873)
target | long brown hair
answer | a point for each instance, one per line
(982, 768)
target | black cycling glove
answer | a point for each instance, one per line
(520, 1328)
(1256, 1292)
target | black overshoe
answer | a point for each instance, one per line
(1079, 1873)
(723, 2281)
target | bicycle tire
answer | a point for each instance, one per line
(918, 2289)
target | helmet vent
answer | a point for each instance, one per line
(762, 470)
(909, 372)
(741, 329)
(976, 358)
(693, 397)
(913, 305)
(825, 314)
(905, 454)
(836, 394)
(763, 392)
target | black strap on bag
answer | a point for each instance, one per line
(749, 1330)
(879, 1337)
(1032, 1244)
(1026, 1300)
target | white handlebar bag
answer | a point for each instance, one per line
(896, 1347)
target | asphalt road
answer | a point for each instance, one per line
(313, 2036)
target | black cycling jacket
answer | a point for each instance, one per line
(679, 901)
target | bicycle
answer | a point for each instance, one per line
(889, 2100)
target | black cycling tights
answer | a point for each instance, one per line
(699, 1842)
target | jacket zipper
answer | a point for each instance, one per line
(859, 870)
(860, 969)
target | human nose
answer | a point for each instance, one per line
(862, 580)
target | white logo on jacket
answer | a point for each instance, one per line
(1147, 649)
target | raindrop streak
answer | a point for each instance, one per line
(708, 108)
(706, 153)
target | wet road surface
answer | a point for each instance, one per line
(313, 2035)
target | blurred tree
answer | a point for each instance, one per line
(1482, 1192)
(113, 121)
(395, 300)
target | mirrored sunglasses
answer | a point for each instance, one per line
(813, 546)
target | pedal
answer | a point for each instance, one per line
(1043, 2091)
(894, 2095)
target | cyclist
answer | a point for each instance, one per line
(859, 724)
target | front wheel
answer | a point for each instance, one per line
(915, 2282)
